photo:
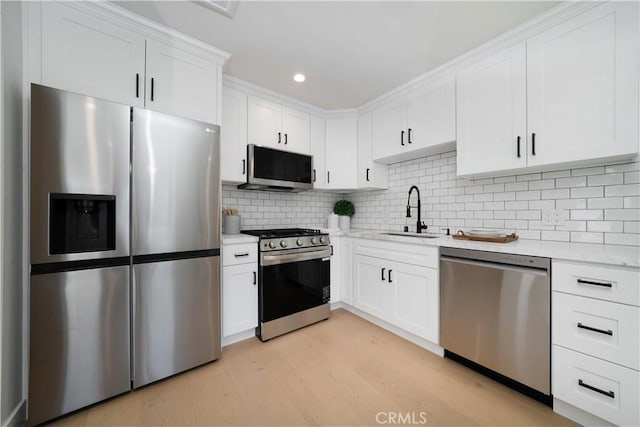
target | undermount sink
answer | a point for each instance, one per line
(420, 235)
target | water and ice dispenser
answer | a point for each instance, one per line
(81, 223)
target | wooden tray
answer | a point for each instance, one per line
(502, 239)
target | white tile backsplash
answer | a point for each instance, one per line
(601, 204)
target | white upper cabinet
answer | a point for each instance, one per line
(492, 117)
(568, 95)
(419, 124)
(273, 125)
(181, 83)
(370, 174)
(317, 149)
(98, 50)
(233, 136)
(582, 87)
(85, 54)
(341, 153)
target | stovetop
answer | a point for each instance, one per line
(283, 232)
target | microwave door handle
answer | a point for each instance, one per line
(288, 258)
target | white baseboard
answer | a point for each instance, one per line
(578, 415)
(18, 417)
(240, 336)
(427, 345)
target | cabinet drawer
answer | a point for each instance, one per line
(601, 388)
(239, 254)
(425, 256)
(611, 283)
(599, 328)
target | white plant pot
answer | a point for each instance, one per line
(332, 222)
(345, 222)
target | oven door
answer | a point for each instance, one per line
(292, 282)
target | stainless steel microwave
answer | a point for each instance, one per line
(269, 169)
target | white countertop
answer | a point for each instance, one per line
(230, 239)
(586, 252)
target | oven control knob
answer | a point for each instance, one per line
(314, 240)
(299, 242)
(323, 240)
(283, 243)
(272, 245)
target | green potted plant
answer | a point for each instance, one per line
(345, 210)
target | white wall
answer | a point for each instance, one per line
(600, 204)
(11, 215)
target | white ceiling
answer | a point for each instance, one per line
(351, 52)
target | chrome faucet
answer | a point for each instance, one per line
(420, 225)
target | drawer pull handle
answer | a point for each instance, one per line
(590, 282)
(596, 389)
(241, 255)
(601, 331)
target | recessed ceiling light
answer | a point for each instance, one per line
(299, 77)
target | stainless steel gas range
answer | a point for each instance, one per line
(293, 279)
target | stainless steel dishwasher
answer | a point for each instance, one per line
(495, 316)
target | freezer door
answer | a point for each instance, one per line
(79, 340)
(176, 317)
(79, 162)
(176, 184)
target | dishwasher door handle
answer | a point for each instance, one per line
(497, 266)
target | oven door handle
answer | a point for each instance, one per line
(299, 256)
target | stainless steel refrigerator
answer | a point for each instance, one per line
(125, 244)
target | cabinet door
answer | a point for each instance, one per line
(239, 298)
(84, 54)
(264, 125)
(582, 86)
(415, 299)
(370, 174)
(336, 268)
(233, 136)
(370, 290)
(181, 83)
(341, 153)
(317, 148)
(388, 124)
(296, 129)
(491, 101)
(431, 116)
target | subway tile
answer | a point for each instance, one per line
(622, 190)
(494, 223)
(605, 203)
(516, 186)
(542, 204)
(516, 224)
(576, 181)
(628, 239)
(504, 214)
(624, 167)
(586, 237)
(529, 177)
(631, 202)
(494, 206)
(609, 179)
(545, 184)
(622, 214)
(483, 181)
(538, 225)
(562, 193)
(473, 223)
(493, 188)
(632, 226)
(632, 177)
(483, 214)
(598, 170)
(518, 205)
(528, 195)
(511, 195)
(605, 226)
(556, 174)
(529, 234)
(504, 179)
(529, 214)
(587, 192)
(558, 236)
(485, 197)
(587, 214)
(572, 226)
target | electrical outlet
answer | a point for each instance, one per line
(553, 216)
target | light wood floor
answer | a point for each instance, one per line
(342, 371)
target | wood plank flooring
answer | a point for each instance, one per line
(340, 372)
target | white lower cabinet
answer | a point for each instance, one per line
(239, 289)
(596, 346)
(403, 294)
